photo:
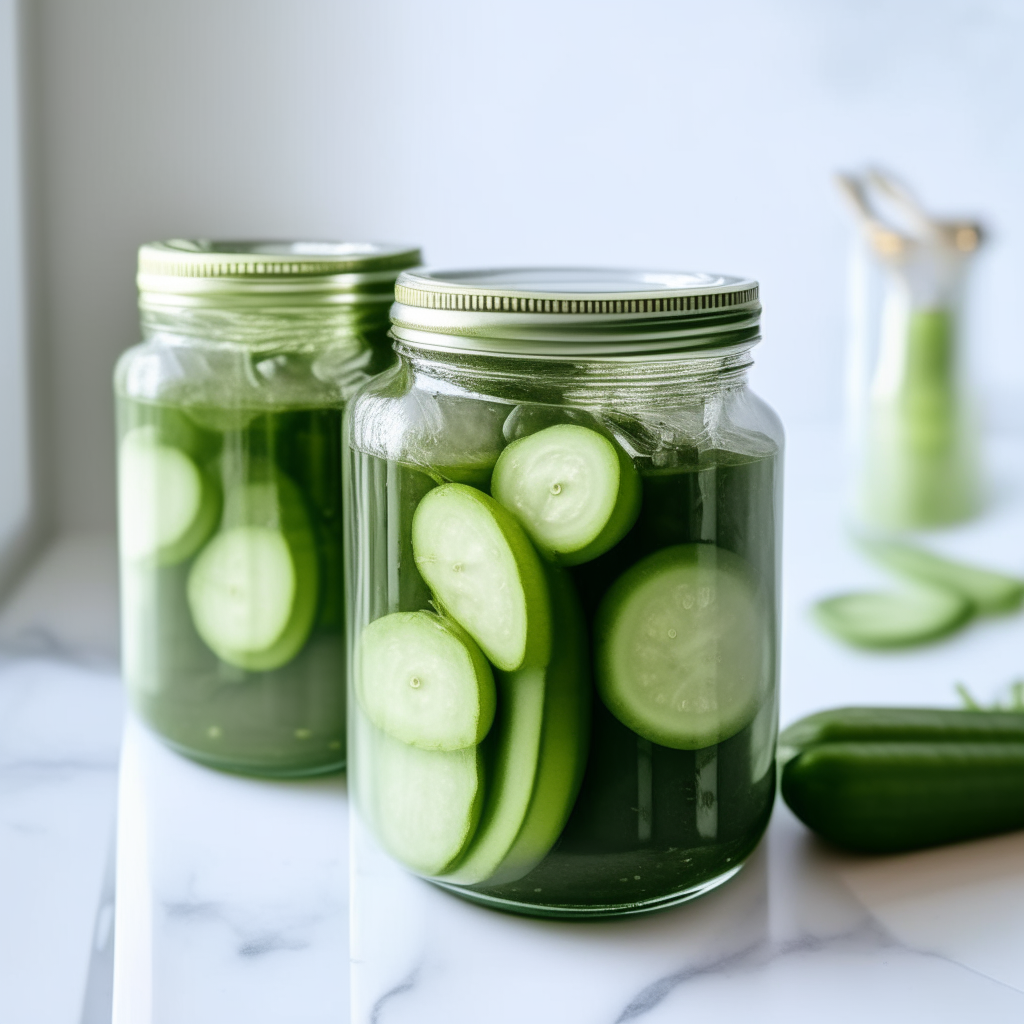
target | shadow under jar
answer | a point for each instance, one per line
(563, 521)
(229, 493)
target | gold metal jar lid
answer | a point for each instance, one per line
(578, 311)
(262, 274)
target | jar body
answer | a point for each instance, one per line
(577, 813)
(231, 548)
(916, 449)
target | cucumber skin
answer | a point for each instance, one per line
(936, 725)
(957, 618)
(890, 797)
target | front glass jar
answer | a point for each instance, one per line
(563, 509)
(229, 493)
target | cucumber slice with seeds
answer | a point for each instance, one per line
(878, 619)
(682, 646)
(253, 589)
(167, 506)
(989, 592)
(576, 493)
(484, 573)
(426, 802)
(424, 681)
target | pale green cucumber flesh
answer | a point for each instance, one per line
(166, 506)
(879, 619)
(426, 803)
(565, 737)
(989, 592)
(484, 574)
(682, 653)
(253, 589)
(424, 681)
(574, 491)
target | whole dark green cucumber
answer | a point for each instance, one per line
(883, 780)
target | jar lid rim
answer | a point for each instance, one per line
(260, 259)
(574, 291)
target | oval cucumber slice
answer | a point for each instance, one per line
(682, 653)
(426, 802)
(576, 493)
(253, 589)
(424, 681)
(989, 592)
(166, 506)
(540, 754)
(484, 573)
(878, 619)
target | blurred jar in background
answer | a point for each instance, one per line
(229, 492)
(911, 426)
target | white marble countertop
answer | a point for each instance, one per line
(232, 898)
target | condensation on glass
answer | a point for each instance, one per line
(229, 492)
(563, 518)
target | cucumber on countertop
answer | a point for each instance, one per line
(990, 592)
(879, 619)
(884, 780)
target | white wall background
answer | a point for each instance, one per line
(659, 132)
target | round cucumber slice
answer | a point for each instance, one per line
(484, 573)
(682, 646)
(877, 619)
(427, 802)
(540, 754)
(576, 493)
(424, 681)
(166, 506)
(253, 589)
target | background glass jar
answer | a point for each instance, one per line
(563, 511)
(229, 493)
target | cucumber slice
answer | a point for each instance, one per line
(876, 619)
(166, 506)
(253, 589)
(576, 493)
(484, 573)
(423, 681)
(682, 646)
(540, 755)
(989, 592)
(427, 802)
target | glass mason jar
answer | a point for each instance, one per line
(915, 444)
(563, 508)
(229, 493)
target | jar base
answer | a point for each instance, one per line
(592, 912)
(252, 771)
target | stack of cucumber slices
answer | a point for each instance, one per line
(474, 729)
(253, 585)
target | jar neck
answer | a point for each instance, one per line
(295, 329)
(668, 379)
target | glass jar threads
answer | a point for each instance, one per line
(563, 511)
(229, 493)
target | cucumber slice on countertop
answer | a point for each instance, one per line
(424, 681)
(576, 493)
(426, 803)
(682, 653)
(167, 506)
(253, 589)
(540, 754)
(879, 619)
(989, 592)
(484, 573)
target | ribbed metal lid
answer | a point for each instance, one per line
(573, 310)
(188, 272)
